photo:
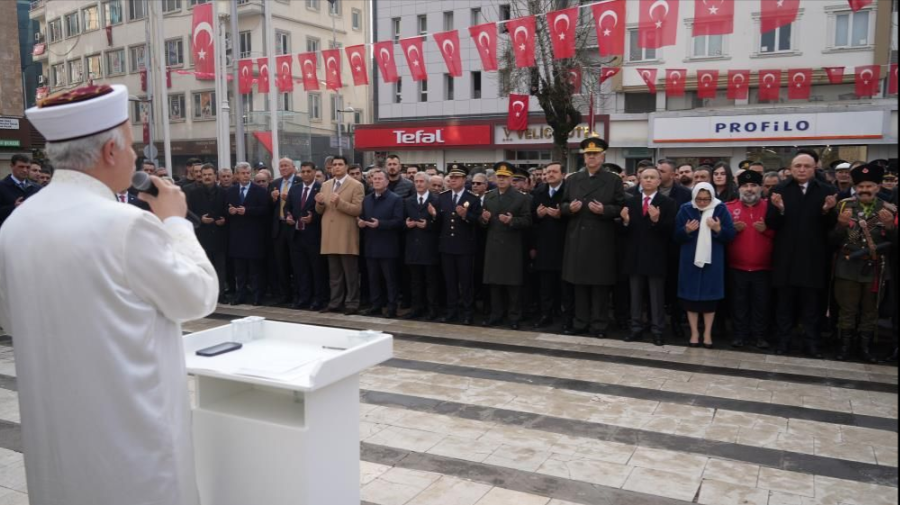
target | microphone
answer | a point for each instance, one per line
(143, 184)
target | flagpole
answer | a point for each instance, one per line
(273, 98)
(240, 152)
(162, 90)
(223, 137)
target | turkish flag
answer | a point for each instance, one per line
(203, 40)
(414, 50)
(285, 78)
(332, 59)
(609, 18)
(707, 84)
(868, 78)
(308, 71)
(517, 120)
(859, 4)
(835, 74)
(658, 25)
(485, 37)
(892, 80)
(521, 34)
(769, 85)
(448, 43)
(649, 77)
(262, 83)
(777, 13)
(356, 55)
(738, 84)
(675, 79)
(574, 77)
(384, 56)
(245, 77)
(562, 32)
(713, 17)
(143, 79)
(608, 72)
(800, 83)
(168, 78)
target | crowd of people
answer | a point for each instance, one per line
(695, 252)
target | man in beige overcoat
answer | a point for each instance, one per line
(340, 203)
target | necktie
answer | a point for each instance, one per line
(122, 198)
(646, 205)
(301, 225)
(552, 192)
(243, 193)
(803, 189)
(285, 187)
(337, 186)
(455, 200)
(421, 201)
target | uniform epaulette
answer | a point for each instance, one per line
(471, 193)
(848, 200)
(446, 191)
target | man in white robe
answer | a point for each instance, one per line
(94, 294)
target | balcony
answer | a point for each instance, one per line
(40, 52)
(37, 9)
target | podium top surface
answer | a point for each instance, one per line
(290, 356)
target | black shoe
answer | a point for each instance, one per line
(709, 346)
(284, 300)
(634, 337)
(762, 345)
(432, 316)
(238, 301)
(351, 312)
(468, 321)
(892, 358)
(574, 332)
(543, 322)
(315, 307)
(737, 343)
(415, 314)
(391, 314)
(693, 345)
(599, 335)
(449, 319)
(326, 309)
(659, 341)
(300, 306)
(814, 353)
(846, 350)
(865, 347)
(514, 326)
(491, 322)
(781, 352)
(372, 312)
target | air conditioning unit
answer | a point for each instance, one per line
(40, 80)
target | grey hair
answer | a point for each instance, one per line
(83, 154)
(225, 170)
(242, 164)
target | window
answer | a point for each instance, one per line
(422, 24)
(423, 90)
(58, 74)
(335, 109)
(448, 21)
(709, 46)
(448, 87)
(851, 29)
(284, 101)
(174, 52)
(777, 40)
(356, 19)
(73, 27)
(171, 5)
(112, 12)
(476, 16)
(282, 42)
(140, 111)
(137, 9)
(335, 8)
(176, 107)
(204, 105)
(91, 18)
(76, 71)
(312, 4)
(357, 117)
(197, 2)
(54, 30)
(315, 106)
(640, 102)
(636, 52)
(115, 62)
(246, 49)
(138, 57)
(395, 29)
(313, 46)
(476, 85)
(398, 91)
(505, 12)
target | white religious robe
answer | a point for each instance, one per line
(94, 293)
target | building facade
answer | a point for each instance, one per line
(639, 124)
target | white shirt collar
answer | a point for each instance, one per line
(86, 182)
(652, 196)
(17, 181)
(342, 180)
(424, 196)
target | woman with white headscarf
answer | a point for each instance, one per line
(703, 227)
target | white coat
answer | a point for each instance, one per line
(94, 293)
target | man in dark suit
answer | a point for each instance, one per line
(248, 208)
(16, 188)
(381, 223)
(648, 220)
(422, 258)
(282, 231)
(671, 187)
(207, 201)
(306, 241)
(549, 238)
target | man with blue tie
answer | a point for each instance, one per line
(421, 253)
(381, 223)
(248, 209)
(16, 188)
(306, 242)
(282, 231)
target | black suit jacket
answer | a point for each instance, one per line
(421, 243)
(202, 201)
(458, 234)
(276, 206)
(680, 195)
(10, 192)
(646, 243)
(311, 234)
(247, 237)
(548, 233)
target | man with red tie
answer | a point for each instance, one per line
(306, 241)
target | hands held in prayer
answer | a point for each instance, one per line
(170, 202)
(653, 212)
(275, 195)
(740, 226)
(692, 226)
(845, 217)
(421, 224)
(714, 224)
(542, 211)
(410, 224)
(777, 200)
(289, 219)
(555, 213)
(462, 211)
(506, 218)
(760, 226)
(432, 211)
(625, 215)
(335, 198)
(830, 203)
(486, 216)
(887, 218)
(220, 221)
(575, 206)
(596, 207)
(206, 219)
(307, 219)
(373, 223)
(320, 198)
(20, 200)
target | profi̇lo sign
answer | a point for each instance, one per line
(763, 126)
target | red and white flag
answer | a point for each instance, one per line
(448, 43)
(574, 77)
(777, 13)
(658, 25)
(517, 119)
(332, 59)
(892, 80)
(262, 82)
(203, 41)
(799, 83)
(868, 78)
(521, 34)
(859, 4)
(485, 37)
(835, 74)
(308, 70)
(414, 50)
(245, 77)
(769, 85)
(675, 80)
(562, 26)
(285, 79)
(384, 56)
(738, 84)
(143, 79)
(609, 18)
(356, 55)
(713, 17)
(649, 77)
(607, 73)
(707, 84)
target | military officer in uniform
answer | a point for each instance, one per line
(506, 215)
(592, 201)
(862, 237)
(458, 212)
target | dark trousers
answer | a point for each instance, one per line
(509, 298)
(218, 262)
(857, 302)
(424, 287)
(551, 292)
(343, 271)
(591, 308)
(622, 299)
(309, 273)
(794, 300)
(750, 301)
(384, 282)
(230, 283)
(653, 291)
(248, 275)
(287, 284)
(459, 274)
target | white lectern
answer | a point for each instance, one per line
(277, 422)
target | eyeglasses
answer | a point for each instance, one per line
(703, 199)
(478, 183)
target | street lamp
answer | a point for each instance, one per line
(340, 122)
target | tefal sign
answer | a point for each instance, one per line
(424, 137)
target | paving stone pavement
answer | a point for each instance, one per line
(473, 416)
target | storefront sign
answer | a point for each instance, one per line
(824, 126)
(537, 134)
(9, 123)
(10, 143)
(424, 136)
